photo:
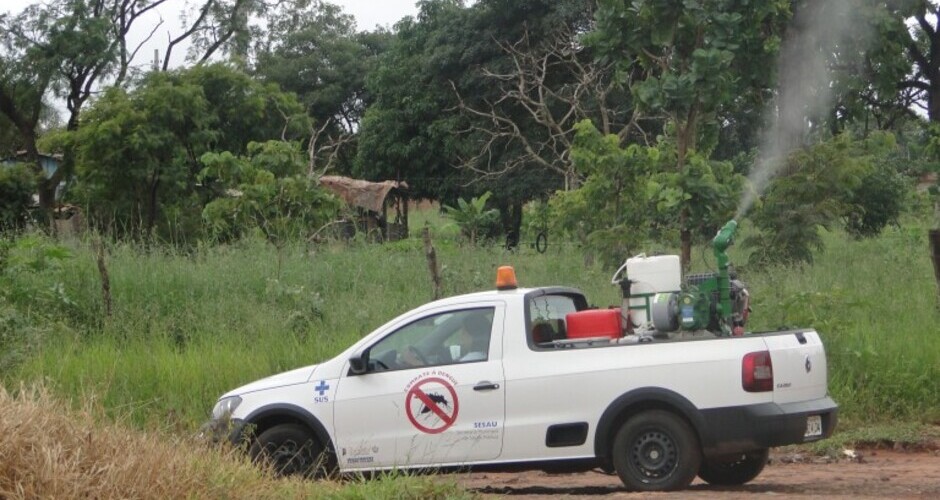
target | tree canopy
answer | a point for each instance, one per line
(639, 118)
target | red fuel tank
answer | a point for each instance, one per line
(593, 323)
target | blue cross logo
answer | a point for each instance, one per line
(322, 388)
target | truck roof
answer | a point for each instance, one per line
(502, 294)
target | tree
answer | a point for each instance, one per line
(139, 151)
(313, 49)
(219, 26)
(269, 190)
(688, 59)
(632, 194)
(609, 211)
(414, 130)
(407, 133)
(132, 159)
(819, 187)
(910, 52)
(67, 49)
(543, 94)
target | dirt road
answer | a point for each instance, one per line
(873, 474)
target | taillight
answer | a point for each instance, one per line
(757, 372)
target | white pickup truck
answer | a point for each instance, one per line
(516, 378)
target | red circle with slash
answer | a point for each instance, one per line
(431, 403)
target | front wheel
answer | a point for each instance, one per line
(656, 451)
(289, 449)
(733, 470)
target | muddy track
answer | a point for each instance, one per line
(871, 474)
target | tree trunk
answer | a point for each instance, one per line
(510, 219)
(685, 242)
(933, 102)
(685, 141)
(152, 205)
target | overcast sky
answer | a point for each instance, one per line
(368, 14)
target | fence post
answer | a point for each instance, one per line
(433, 266)
(935, 250)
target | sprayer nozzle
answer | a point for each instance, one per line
(725, 236)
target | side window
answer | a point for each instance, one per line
(446, 338)
(547, 317)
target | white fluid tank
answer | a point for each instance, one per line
(649, 276)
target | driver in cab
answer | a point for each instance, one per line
(469, 343)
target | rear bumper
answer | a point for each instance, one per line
(745, 428)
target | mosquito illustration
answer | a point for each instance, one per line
(437, 398)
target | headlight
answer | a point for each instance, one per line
(224, 408)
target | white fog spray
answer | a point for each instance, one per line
(804, 85)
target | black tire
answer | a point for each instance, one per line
(541, 242)
(656, 451)
(733, 470)
(290, 449)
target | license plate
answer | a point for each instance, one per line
(813, 426)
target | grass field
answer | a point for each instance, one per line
(188, 326)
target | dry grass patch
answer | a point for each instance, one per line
(48, 450)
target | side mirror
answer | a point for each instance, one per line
(359, 364)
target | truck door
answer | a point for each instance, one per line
(433, 395)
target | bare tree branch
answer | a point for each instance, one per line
(326, 147)
(230, 29)
(554, 86)
(186, 34)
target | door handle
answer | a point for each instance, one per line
(485, 386)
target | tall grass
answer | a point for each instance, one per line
(875, 304)
(189, 326)
(186, 328)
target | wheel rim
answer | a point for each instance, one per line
(654, 455)
(289, 458)
(731, 464)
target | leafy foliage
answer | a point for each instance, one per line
(609, 210)
(821, 185)
(690, 61)
(139, 150)
(269, 190)
(312, 49)
(414, 130)
(17, 185)
(472, 216)
(31, 295)
(877, 202)
(633, 194)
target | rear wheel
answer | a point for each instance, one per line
(290, 449)
(735, 469)
(656, 451)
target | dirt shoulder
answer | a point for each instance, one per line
(871, 474)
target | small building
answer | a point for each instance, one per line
(50, 165)
(374, 203)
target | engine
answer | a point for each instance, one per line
(656, 301)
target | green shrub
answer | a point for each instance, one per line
(472, 217)
(17, 187)
(877, 202)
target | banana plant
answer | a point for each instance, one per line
(472, 216)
